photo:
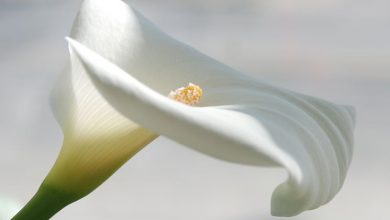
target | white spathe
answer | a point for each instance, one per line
(240, 119)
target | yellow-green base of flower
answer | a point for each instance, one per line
(45, 203)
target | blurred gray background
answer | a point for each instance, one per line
(334, 49)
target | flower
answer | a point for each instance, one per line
(134, 67)
(239, 119)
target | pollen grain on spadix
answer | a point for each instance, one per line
(189, 95)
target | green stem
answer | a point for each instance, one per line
(45, 203)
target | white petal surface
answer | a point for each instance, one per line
(278, 128)
(240, 119)
(97, 139)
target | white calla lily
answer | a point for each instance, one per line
(133, 67)
(240, 119)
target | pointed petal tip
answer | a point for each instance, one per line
(68, 39)
(85, 55)
(72, 43)
(80, 50)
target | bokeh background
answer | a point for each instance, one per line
(335, 49)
